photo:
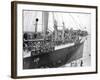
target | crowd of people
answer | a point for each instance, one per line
(34, 43)
(70, 36)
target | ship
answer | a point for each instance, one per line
(51, 49)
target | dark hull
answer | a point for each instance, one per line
(54, 59)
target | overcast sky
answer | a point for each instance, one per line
(72, 20)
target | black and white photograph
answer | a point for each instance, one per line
(56, 39)
(53, 39)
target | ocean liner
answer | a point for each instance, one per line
(51, 49)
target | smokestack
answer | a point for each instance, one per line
(45, 22)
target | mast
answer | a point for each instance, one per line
(63, 31)
(45, 22)
(55, 28)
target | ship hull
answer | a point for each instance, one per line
(56, 58)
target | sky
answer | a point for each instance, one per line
(71, 19)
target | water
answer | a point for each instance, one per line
(87, 52)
